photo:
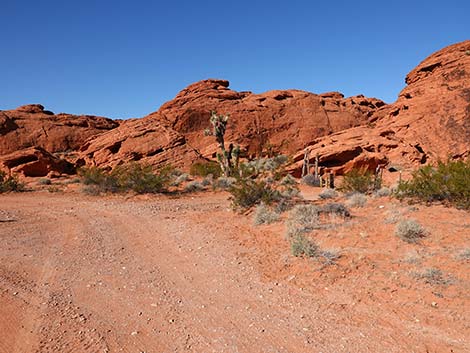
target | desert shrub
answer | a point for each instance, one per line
(180, 179)
(73, 181)
(356, 200)
(288, 180)
(383, 192)
(225, 183)
(310, 180)
(433, 276)
(249, 192)
(464, 254)
(327, 194)
(264, 215)
(208, 180)
(10, 183)
(302, 246)
(335, 208)
(134, 176)
(92, 190)
(193, 186)
(290, 191)
(44, 181)
(328, 257)
(448, 182)
(359, 181)
(409, 230)
(302, 218)
(204, 168)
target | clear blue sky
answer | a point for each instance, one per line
(125, 58)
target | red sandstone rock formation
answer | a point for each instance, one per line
(32, 126)
(430, 121)
(35, 162)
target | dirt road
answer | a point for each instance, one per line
(156, 274)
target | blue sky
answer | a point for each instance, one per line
(125, 58)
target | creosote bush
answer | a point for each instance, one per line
(134, 176)
(409, 230)
(204, 168)
(10, 183)
(360, 181)
(448, 182)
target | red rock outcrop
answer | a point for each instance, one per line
(32, 126)
(284, 121)
(147, 140)
(35, 162)
(430, 120)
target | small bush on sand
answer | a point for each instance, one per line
(310, 180)
(302, 246)
(264, 215)
(193, 186)
(335, 208)
(248, 192)
(409, 230)
(356, 200)
(464, 255)
(136, 177)
(327, 194)
(225, 183)
(204, 168)
(433, 276)
(359, 181)
(10, 183)
(383, 192)
(177, 180)
(302, 218)
(448, 182)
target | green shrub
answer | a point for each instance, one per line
(448, 182)
(302, 246)
(248, 192)
(10, 183)
(203, 169)
(409, 231)
(134, 176)
(359, 181)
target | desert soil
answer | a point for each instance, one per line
(187, 274)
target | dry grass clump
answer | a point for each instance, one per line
(264, 215)
(302, 246)
(383, 192)
(356, 200)
(409, 230)
(10, 183)
(302, 218)
(328, 194)
(335, 208)
(225, 183)
(193, 186)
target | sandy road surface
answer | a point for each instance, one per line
(84, 274)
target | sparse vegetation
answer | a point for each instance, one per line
(180, 179)
(136, 177)
(44, 181)
(10, 183)
(203, 169)
(383, 192)
(335, 208)
(361, 181)
(448, 182)
(464, 255)
(301, 219)
(302, 246)
(248, 192)
(310, 180)
(356, 200)
(264, 215)
(193, 186)
(433, 276)
(225, 183)
(409, 230)
(327, 194)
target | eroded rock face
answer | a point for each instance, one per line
(32, 126)
(146, 140)
(430, 120)
(35, 162)
(284, 121)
